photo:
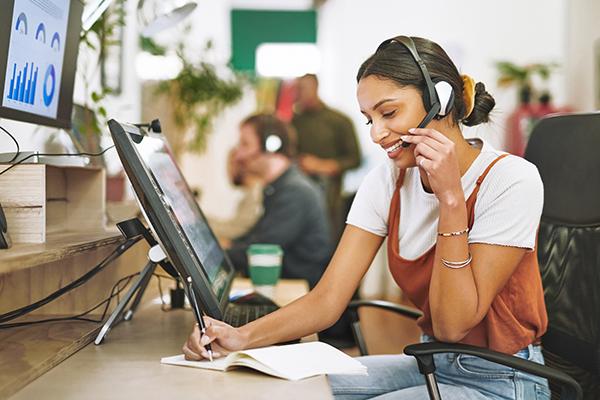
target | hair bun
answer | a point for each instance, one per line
(483, 105)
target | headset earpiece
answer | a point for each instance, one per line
(438, 96)
(273, 143)
(445, 97)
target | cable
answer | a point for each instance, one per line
(163, 304)
(80, 317)
(16, 143)
(55, 155)
(78, 282)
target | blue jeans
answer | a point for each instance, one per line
(459, 376)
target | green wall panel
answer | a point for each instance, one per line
(250, 28)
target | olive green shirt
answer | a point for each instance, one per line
(327, 133)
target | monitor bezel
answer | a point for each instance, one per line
(165, 228)
(65, 105)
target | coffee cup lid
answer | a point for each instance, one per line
(265, 248)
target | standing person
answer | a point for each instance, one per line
(327, 146)
(293, 207)
(461, 223)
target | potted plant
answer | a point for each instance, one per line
(195, 96)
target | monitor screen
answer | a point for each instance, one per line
(39, 42)
(174, 214)
(160, 163)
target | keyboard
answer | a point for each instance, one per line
(240, 314)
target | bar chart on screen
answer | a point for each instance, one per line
(22, 86)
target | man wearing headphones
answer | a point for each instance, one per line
(294, 210)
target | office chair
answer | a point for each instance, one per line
(566, 151)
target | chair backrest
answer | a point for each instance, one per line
(566, 151)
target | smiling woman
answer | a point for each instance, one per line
(461, 223)
(445, 236)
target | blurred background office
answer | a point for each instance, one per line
(230, 58)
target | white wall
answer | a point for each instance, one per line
(583, 33)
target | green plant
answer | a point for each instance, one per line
(522, 76)
(199, 94)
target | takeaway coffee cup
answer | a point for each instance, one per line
(264, 265)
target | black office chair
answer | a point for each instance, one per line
(566, 151)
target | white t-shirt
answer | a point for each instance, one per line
(507, 210)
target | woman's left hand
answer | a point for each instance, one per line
(435, 155)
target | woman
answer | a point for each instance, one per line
(461, 222)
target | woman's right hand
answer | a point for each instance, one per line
(223, 339)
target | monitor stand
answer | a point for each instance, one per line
(156, 256)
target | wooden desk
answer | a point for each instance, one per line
(127, 365)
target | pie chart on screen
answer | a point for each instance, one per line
(49, 85)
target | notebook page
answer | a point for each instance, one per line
(222, 364)
(302, 360)
(245, 360)
(218, 364)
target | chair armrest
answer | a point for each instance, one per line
(570, 388)
(386, 305)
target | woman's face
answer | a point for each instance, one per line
(391, 111)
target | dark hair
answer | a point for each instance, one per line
(312, 77)
(394, 62)
(267, 125)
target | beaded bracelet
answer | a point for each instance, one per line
(457, 264)
(457, 233)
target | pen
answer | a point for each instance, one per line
(198, 316)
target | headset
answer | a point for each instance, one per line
(274, 135)
(272, 143)
(438, 98)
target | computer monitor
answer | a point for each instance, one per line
(39, 42)
(174, 216)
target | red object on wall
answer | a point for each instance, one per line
(520, 124)
(284, 109)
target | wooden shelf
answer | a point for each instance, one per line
(28, 352)
(31, 272)
(58, 246)
(45, 199)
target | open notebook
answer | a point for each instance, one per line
(293, 361)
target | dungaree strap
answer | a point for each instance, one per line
(482, 177)
(400, 179)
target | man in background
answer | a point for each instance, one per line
(250, 207)
(327, 146)
(294, 214)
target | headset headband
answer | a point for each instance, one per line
(412, 49)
